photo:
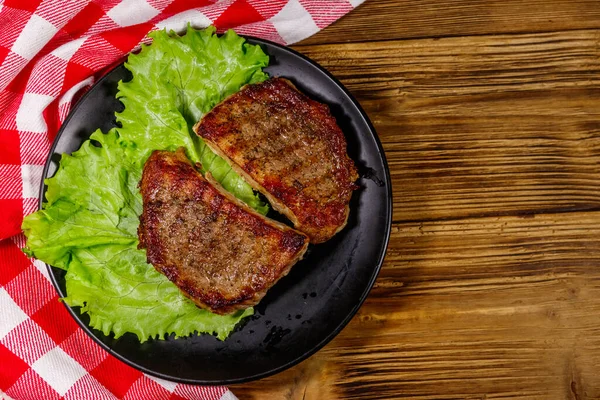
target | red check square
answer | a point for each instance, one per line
(27, 5)
(238, 13)
(3, 53)
(9, 147)
(109, 368)
(84, 20)
(11, 368)
(125, 39)
(11, 213)
(75, 73)
(54, 318)
(12, 260)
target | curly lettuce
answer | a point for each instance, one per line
(88, 224)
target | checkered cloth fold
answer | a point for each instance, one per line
(50, 52)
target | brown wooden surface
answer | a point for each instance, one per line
(489, 113)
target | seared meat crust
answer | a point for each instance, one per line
(219, 252)
(288, 147)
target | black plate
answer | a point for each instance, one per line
(306, 309)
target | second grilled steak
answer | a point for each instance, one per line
(219, 252)
(288, 147)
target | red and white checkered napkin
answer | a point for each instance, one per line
(50, 52)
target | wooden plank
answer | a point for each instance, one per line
(491, 286)
(377, 20)
(480, 126)
(483, 308)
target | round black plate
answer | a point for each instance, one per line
(304, 310)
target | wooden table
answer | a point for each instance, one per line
(489, 113)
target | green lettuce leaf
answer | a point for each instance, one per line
(123, 294)
(176, 81)
(92, 199)
(88, 225)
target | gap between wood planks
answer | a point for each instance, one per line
(437, 18)
(481, 295)
(300, 46)
(485, 126)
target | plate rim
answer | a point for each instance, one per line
(328, 338)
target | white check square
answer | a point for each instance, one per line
(29, 116)
(66, 51)
(11, 314)
(41, 266)
(178, 22)
(32, 178)
(33, 38)
(228, 396)
(58, 369)
(132, 12)
(294, 23)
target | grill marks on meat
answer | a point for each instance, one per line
(219, 252)
(288, 147)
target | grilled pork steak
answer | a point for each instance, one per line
(288, 147)
(219, 252)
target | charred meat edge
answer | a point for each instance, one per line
(276, 203)
(244, 301)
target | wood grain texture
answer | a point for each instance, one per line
(482, 308)
(379, 20)
(490, 119)
(481, 125)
